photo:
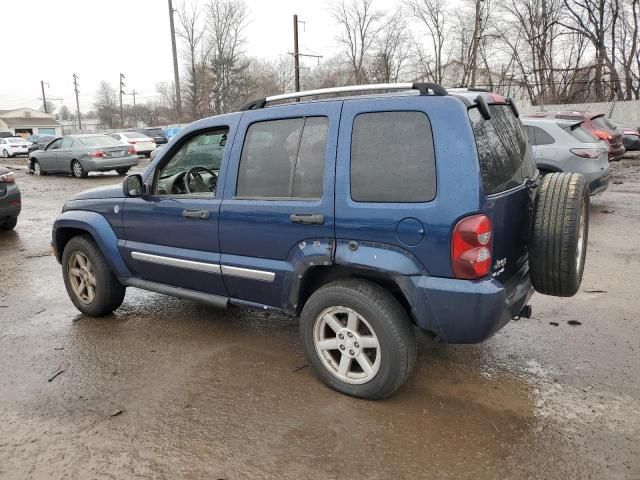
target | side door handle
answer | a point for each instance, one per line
(196, 214)
(307, 218)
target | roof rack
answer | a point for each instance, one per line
(423, 88)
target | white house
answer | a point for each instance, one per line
(27, 121)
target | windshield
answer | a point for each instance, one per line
(99, 141)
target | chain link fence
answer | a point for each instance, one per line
(625, 113)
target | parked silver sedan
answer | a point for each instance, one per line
(81, 154)
(566, 146)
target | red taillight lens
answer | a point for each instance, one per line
(7, 178)
(587, 152)
(601, 134)
(97, 154)
(471, 247)
(131, 151)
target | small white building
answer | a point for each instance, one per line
(23, 122)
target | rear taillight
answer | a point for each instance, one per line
(131, 151)
(602, 135)
(7, 178)
(587, 152)
(97, 154)
(471, 247)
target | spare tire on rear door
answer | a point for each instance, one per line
(558, 241)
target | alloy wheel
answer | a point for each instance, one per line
(347, 345)
(82, 277)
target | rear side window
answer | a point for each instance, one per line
(392, 158)
(537, 136)
(503, 151)
(582, 134)
(283, 158)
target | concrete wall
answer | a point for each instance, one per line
(625, 113)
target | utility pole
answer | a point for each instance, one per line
(121, 93)
(135, 116)
(75, 87)
(296, 53)
(176, 75)
(44, 99)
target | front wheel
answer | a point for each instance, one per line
(91, 286)
(77, 170)
(37, 169)
(358, 338)
(5, 154)
(122, 171)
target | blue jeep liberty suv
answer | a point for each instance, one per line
(368, 211)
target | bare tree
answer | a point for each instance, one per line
(227, 76)
(191, 32)
(359, 23)
(627, 46)
(595, 20)
(105, 104)
(433, 15)
(392, 50)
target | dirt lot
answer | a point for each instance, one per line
(168, 388)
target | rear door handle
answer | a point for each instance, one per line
(307, 218)
(196, 214)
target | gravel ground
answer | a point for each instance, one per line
(167, 388)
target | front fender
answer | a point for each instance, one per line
(99, 228)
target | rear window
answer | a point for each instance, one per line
(135, 135)
(15, 140)
(601, 122)
(503, 150)
(98, 141)
(392, 158)
(154, 132)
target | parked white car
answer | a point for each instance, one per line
(142, 144)
(12, 146)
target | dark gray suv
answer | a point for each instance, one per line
(10, 201)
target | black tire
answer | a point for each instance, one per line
(558, 242)
(9, 223)
(386, 316)
(109, 292)
(37, 169)
(122, 171)
(77, 170)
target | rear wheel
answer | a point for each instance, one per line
(9, 223)
(5, 153)
(77, 170)
(122, 171)
(358, 338)
(91, 286)
(560, 231)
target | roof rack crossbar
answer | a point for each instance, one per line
(423, 88)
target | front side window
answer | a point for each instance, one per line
(392, 158)
(55, 144)
(283, 159)
(66, 143)
(193, 169)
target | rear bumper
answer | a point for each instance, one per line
(10, 202)
(104, 165)
(599, 184)
(465, 311)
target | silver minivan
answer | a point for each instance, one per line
(566, 146)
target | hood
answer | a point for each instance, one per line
(110, 191)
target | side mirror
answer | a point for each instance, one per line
(132, 186)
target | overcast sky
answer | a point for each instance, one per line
(50, 40)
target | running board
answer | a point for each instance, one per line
(208, 298)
